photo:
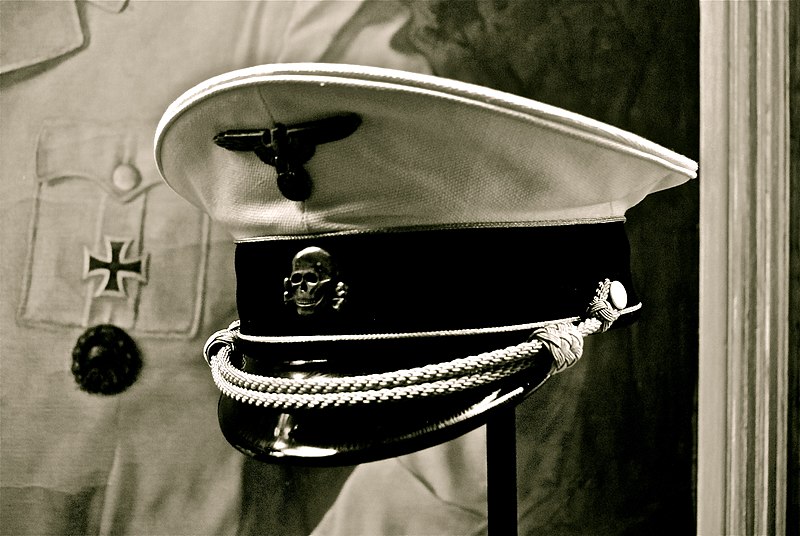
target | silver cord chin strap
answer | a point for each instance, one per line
(563, 340)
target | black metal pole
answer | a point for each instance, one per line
(501, 474)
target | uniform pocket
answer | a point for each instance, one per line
(110, 242)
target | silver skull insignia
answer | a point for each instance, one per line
(312, 285)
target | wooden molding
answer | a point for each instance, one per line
(744, 267)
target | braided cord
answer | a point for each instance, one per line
(356, 397)
(564, 341)
(487, 363)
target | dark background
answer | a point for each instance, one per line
(793, 466)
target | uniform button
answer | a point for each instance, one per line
(105, 360)
(126, 177)
(618, 295)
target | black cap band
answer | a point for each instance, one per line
(425, 280)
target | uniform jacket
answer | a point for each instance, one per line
(81, 202)
(82, 86)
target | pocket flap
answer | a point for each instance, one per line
(118, 158)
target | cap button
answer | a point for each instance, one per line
(126, 177)
(105, 360)
(618, 295)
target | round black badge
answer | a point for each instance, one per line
(105, 360)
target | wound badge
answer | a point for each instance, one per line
(313, 284)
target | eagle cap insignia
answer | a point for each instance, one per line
(288, 147)
(313, 285)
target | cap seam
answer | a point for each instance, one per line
(442, 227)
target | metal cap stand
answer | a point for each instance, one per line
(501, 473)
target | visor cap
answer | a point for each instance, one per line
(412, 252)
